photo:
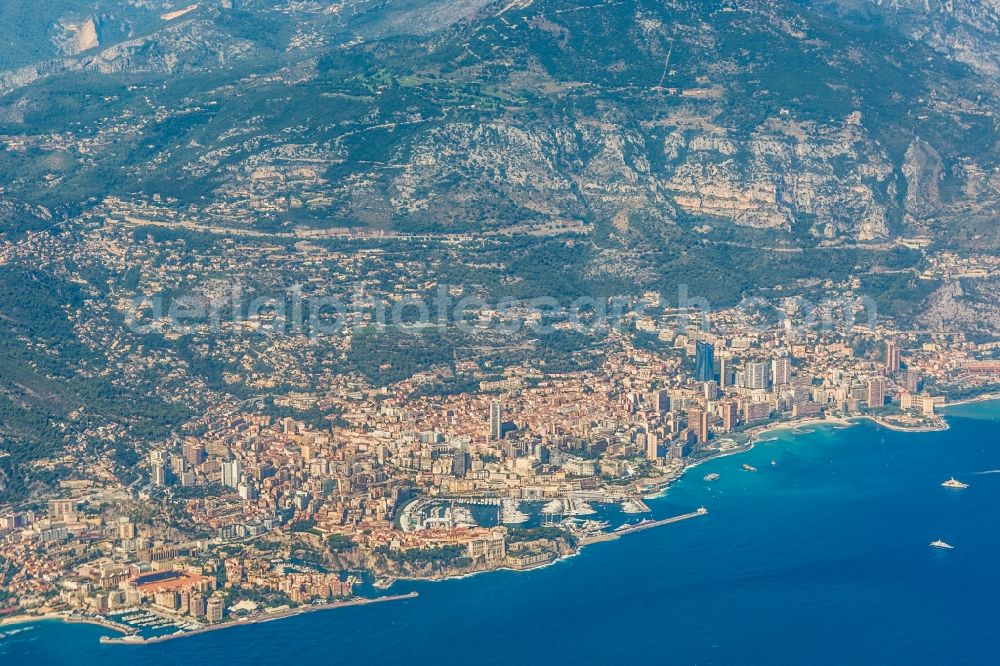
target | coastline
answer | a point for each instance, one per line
(795, 424)
(782, 500)
(132, 639)
(753, 438)
(986, 397)
(603, 537)
(473, 574)
(26, 618)
(755, 434)
(62, 616)
(898, 428)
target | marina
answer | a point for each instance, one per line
(511, 514)
(567, 506)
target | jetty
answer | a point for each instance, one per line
(665, 521)
(638, 527)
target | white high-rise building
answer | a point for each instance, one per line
(756, 375)
(158, 467)
(231, 473)
(711, 391)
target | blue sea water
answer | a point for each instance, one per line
(822, 558)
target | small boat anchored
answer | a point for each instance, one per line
(711, 477)
(942, 545)
(749, 468)
(954, 483)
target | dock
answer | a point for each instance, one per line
(666, 521)
(638, 527)
(99, 620)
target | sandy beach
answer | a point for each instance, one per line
(67, 617)
(986, 397)
(796, 424)
(25, 618)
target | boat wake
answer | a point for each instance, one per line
(14, 632)
(989, 471)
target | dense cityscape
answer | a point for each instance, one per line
(673, 325)
(246, 515)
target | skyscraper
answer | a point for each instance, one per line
(231, 473)
(214, 610)
(652, 449)
(698, 423)
(892, 357)
(159, 474)
(725, 371)
(659, 401)
(781, 370)
(62, 510)
(704, 361)
(194, 453)
(158, 467)
(756, 375)
(496, 424)
(711, 390)
(729, 415)
(756, 411)
(876, 393)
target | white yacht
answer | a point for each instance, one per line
(954, 483)
(942, 545)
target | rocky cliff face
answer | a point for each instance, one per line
(788, 176)
(966, 30)
(779, 174)
(968, 305)
(855, 121)
(923, 170)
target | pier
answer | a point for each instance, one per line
(666, 521)
(99, 620)
(638, 527)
